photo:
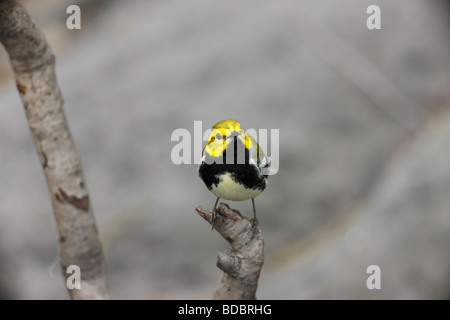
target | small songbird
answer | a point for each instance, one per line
(231, 166)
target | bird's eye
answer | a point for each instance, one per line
(218, 136)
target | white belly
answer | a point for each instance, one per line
(229, 189)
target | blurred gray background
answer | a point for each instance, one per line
(364, 121)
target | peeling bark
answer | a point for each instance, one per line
(34, 67)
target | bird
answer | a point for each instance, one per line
(231, 165)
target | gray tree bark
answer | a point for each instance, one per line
(34, 68)
(242, 262)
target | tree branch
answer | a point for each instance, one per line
(242, 262)
(34, 67)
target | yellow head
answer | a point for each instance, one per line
(222, 134)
